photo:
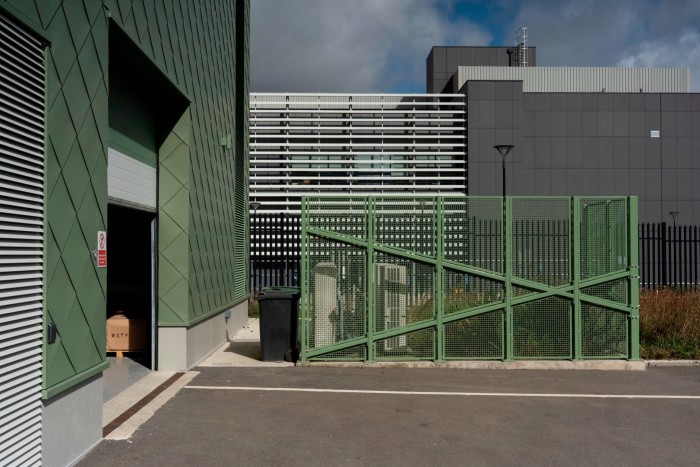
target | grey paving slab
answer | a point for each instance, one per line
(254, 427)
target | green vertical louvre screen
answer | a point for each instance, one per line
(468, 278)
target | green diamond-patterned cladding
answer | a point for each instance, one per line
(200, 46)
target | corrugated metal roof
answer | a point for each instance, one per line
(582, 79)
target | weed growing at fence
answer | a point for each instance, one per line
(670, 324)
(253, 308)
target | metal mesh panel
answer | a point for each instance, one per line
(465, 291)
(541, 239)
(414, 345)
(336, 297)
(408, 224)
(478, 337)
(604, 332)
(542, 329)
(347, 216)
(603, 236)
(522, 291)
(473, 232)
(359, 352)
(403, 292)
(615, 291)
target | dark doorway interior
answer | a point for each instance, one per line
(129, 268)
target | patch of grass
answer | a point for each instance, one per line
(669, 324)
(253, 308)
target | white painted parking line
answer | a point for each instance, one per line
(441, 393)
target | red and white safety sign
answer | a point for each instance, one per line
(101, 249)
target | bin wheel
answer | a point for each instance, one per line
(288, 356)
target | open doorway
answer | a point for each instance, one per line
(130, 285)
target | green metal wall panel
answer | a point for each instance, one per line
(196, 44)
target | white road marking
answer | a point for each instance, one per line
(441, 393)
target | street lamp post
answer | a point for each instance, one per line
(503, 149)
(673, 215)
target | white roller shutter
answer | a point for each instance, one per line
(130, 182)
(21, 243)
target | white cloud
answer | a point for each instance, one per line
(350, 45)
(639, 33)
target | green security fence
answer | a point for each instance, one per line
(465, 278)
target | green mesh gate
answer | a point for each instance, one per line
(457, 278)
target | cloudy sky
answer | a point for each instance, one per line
(381, 45)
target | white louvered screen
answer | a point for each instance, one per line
(21, 243)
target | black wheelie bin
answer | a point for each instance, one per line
(278, 323)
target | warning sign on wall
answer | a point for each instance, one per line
(101, 249)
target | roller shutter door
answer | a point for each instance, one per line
(130, 182)
(21, 243)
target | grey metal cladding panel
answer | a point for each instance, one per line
(668, 102)
(637, 148)
(573, 123)
(621, 122)
(543, 123)
(668, 153)
(685, 184)
(589, 150)
(622, 182)
(652, 121)
(487, 114)
(542, 153)
(684, 124)
(589, 101)
(606, 182)
(468, 56)
(606, 152)
(573, 101)
(558, 101)
(668, 124)
(574, 152)
(589, 123)
(482, 57)
(695, 124)
(636, 124)
(652, 102)
(621, 101)
(487, 139)
(695, 142)
(683, 102)
(621, 152)
(605, 123)
(636, 101)
(637, 182)
(652, 153)
(696, 184)
(684, 153)
(504, 114)
(558, 152)
(558, 123)
(695, 102)
(440, 59)
(473, 90)
(589, 181)
(605, 101)
(504, 90)
(517, 87)
(669, 182)
(574, 182)
(454, 56)
(529, 123)
(487, 90)
(543, 101)
(518, 118)
(543, 183)
(557, 182)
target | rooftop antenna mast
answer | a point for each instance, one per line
(521, 46)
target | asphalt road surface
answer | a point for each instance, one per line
(396, 416)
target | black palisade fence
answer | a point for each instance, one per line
(668, 255)
(275, 250)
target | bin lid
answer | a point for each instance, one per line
(283, 289)
(276, 295)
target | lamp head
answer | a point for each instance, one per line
(504, 149)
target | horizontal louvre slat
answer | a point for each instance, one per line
(22, 101)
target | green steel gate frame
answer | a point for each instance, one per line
(601, 293)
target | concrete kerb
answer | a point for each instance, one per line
(611, 365)
(672, 363)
